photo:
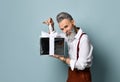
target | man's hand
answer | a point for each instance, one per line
(58, 56)
(62, 58)
(49, 22)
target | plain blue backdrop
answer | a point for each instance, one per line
(20, 27)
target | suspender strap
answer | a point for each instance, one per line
(79, 44)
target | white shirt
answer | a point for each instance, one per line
(85, 51)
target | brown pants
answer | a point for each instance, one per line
(79, 75)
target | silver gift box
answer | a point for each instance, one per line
(51, 46)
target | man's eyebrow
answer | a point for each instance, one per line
(65, 26)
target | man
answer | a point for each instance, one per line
(79, 48)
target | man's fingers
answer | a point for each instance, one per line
(57, 56)
(49, 21)
(45, 22)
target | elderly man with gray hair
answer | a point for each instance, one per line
(79, 48)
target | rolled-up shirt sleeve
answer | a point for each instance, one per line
(72, 64)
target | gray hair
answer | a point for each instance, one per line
(63, 15)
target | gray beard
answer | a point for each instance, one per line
(71, 36)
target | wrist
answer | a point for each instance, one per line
(51, 28)
(64, 60)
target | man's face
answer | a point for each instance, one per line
(67, 26)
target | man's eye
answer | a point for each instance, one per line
(66, 26)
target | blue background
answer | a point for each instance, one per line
(20, 27)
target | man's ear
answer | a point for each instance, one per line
(73, 22)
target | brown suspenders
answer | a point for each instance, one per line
(78, 45)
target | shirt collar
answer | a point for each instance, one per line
(78, 33)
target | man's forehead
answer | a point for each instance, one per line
(64, 22)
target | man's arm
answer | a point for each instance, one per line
(50, 23)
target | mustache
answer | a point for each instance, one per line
(70, 32)
(67, 34)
